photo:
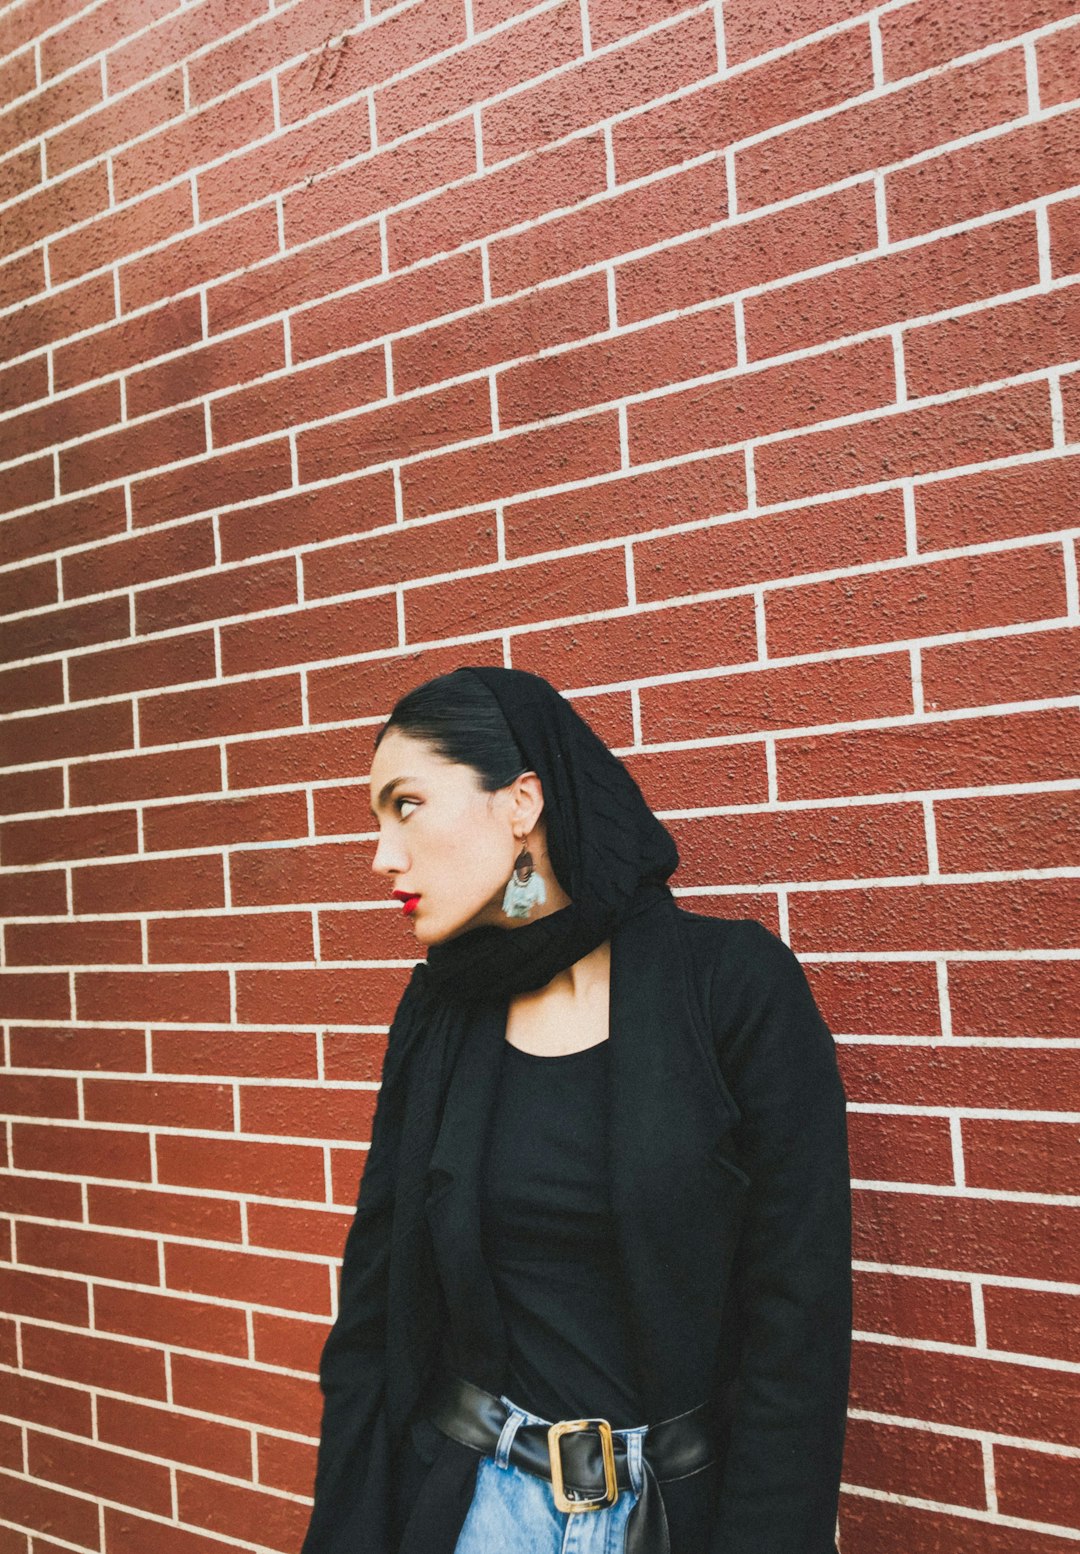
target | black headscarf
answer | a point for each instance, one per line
(606, 847)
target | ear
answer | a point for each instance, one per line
(526, 801)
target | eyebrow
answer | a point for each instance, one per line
(388, 788)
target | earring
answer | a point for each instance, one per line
(525, 888)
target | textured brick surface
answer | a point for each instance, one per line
(718, 363)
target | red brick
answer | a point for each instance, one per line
(1030, 498)
(967, 593)
(297, 1230)
(608, 227)
(68, 201)
(995, 342)
(888, 1528)
(901, 1149)
(206, 368)
(340, 809)
(770, 399)
(266, 1169)
(532, 322)
(399, 430)
(96, 31)
(758, 26)
(1064, 218)
(81, 520)
(283, 1283)
(486, 68)
(929, 1074)
(1010, 831)
(24, 275)
(139, 559)
(327, 997)
(101, 1254)
(670, 779)
(294, 154)
(125, 1530)
(74, 944)
(1018, 914)
(1033, 1321)
(1016, 998)
(33, 894)
(511, 465)
(168, 328)
(140, 666)
(747, 253)
(42, 1196)
(807, 844)
(944, 273)
(146, 776)
(50, 105)
(1040, 1157)
(37, 1505)
(165, 1213)
(968, 752)
(178, 434)
(769, 698)
(302, 395)
(31, 481)
(291, 279)
(166, 1319)
(38, 1095)
(177, 35)
(612, 368)
(288, 1111)
(47, 1298)
(404, 552)
(1028, 1482)
(911, 1306)
(205, 483)
(747, 104)
(71, 626)
(319, 871)
(299, 757)
(350, 935)
(955, 1389)
(245, 1054)
(601, 87)
(877, 998)
(311, 633)
(81, 1151)
(512, 596)
(328, 512)
(506, 197)
(901, 1460)
(161, 1103)
(78, 1050)
(285, 936)
(202, 257)
(215, 595)
(383, 179)
(62, 420)
(200, 996)
(773, 545)
(20, 172)
(372, 686)
(1007, 169)
(200, 1443)
(52, 736)
(115, 234)
(24, 382)
(34, 685)
(190, 142)
(271, 817)
(932, 32)
(94, 1361)
(907, 442)
(211, 711)
(97, 133)
(285, 1464)
(231, 1510)
(149, 885)
(28, 587)
(621, 647)
(885, 129)
(1002, 669)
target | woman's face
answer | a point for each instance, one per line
(443, 838)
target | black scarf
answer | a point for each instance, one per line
(604, 842)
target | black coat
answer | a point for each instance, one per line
(730, 1191)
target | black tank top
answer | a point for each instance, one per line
(549, 1238)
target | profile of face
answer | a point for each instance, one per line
(446, 840)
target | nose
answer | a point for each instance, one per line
(389, 856)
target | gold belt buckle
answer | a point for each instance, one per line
(607, 1448)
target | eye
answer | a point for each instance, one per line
(399, 802)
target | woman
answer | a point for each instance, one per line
(607, 1186)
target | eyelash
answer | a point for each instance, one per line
(403, 800)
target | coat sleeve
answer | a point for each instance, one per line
(352, 1466)
(792, 1273)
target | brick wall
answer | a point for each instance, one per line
(720, 364)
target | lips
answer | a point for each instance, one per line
(408, 899)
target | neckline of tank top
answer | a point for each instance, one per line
(557, 1057)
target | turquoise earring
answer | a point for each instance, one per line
(525, 889)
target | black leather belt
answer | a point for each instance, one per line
(584, 1459)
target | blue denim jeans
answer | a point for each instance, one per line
(514, 1512)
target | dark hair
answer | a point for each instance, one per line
(462, 721)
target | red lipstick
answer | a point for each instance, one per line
(408, 900)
